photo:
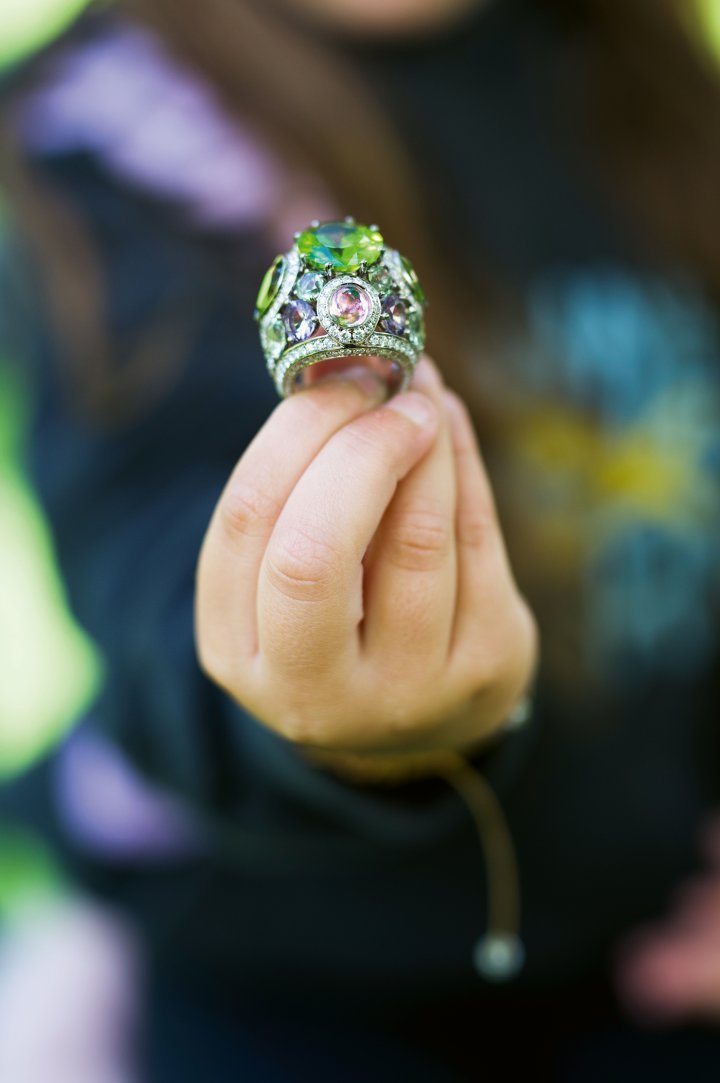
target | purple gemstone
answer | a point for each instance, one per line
(395, 314)
(299, 319)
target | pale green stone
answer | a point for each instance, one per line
(416, 325)
(309, 286)
(381, 278)
(275, 336)
(405, 273)
(412, 280)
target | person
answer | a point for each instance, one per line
(281, 785)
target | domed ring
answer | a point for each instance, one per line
(340, 292)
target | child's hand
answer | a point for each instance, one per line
(353, 590)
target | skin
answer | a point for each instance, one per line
(355, 559)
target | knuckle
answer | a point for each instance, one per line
(382, 433)
(305, 726)
(400, 702)
(308, 408)
(474, 526)
(529, 632)
(297, 729)
(364, 437)
(215, 663)
(302, 566)
(496, 655)
(247, 510)
(421, 539)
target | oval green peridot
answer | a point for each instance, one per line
(269, 286)
(342, 245)
(412, 280)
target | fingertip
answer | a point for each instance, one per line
(358, 377)
(427, 375)
(455, 406)
(417, 407)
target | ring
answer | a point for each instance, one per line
(340, 292)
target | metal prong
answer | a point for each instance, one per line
(349, 219)
(296, 236)
(329, 268)
(363, 268)
(374, 228)
(315, 223)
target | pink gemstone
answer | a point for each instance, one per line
(350, 305)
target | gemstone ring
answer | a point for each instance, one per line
(340, 293)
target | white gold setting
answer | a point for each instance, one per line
(325, 348)
(290, 272)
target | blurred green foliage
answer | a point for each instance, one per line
(26, 24)
(711, 13)
(48, 668)
(27, 874)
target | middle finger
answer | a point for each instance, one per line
(410, 569)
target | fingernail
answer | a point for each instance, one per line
(415, 406)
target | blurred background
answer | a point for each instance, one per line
(37, 632)
(35, 625)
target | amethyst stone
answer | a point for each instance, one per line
(300, 320)
(395, 314)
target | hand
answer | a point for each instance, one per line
(353, 589)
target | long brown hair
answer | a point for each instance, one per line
(640, 96)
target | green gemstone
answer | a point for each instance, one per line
(270, 286)
(416, 325)
(412, 280)
(309, 286)
(275, 336)
(381, 278)
(343, 245)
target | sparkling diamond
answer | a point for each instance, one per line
(269, 286)
(350, 305)
(343, 245)
(395, 314)
(309, 286)
(299, 319)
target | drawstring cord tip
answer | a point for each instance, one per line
(499, 956)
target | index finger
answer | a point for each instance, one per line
(251, 501)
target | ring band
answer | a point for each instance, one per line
(340, 292)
